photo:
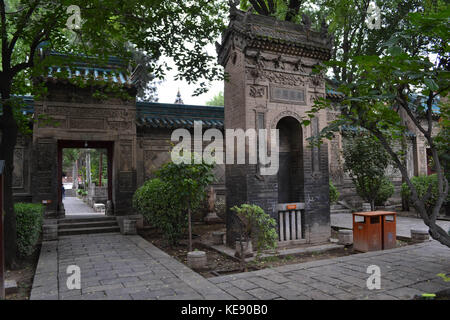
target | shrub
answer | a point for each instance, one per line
(257, 224)
(422, 183)
(385, 191)
(188, 180)
(334, 193)
(162, 208)
(29, 217)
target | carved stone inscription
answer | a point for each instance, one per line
(18, 168)
(126, 157)
(296, 96)
(87, 124)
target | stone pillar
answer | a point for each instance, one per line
(271, 85)
(45, 177)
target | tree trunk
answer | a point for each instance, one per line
(75, 175)
(190, 227)
(9, 138)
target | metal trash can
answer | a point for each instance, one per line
(367, 232)
(374, 230)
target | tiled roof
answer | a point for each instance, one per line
(165, 115)
(116, 76)
(68, 67)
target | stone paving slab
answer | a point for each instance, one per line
(75, 206)
(114, 266)
(118, 267)
(345, 278)
(404, 224)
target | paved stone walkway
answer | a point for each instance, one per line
(75, 206)
(116, 267)
(120, 267)
(404, 224)
(405, 272)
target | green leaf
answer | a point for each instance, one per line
(431, 84)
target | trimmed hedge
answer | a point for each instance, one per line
(29, 218)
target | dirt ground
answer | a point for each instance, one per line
(23, 275)
(221, 264)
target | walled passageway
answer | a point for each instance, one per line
(76, 207)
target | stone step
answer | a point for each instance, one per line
(77, 231)
(336, 207)
(340, 211)
(86, 219)
(90, 224)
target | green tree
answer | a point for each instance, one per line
(189, 182)
(366, 161)
(158, 28)
(400, 84)
(218, 100)
(160, 204)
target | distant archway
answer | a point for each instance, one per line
(108, 145)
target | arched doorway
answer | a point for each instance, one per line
(290, 173)
(291, 225)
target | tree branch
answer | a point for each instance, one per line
(401, 99)
(293, 9)
(3, 35)
(260, 8)
(21, 24)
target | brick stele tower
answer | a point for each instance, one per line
(271, 86)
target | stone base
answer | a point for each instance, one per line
(217, 237)
(212, 218)
(366, 207)
(11, 287)
(248, 249)
(345, 237)
(129, 227)
(50, 232)
(419, 235)
(99, 207)
(197, 260)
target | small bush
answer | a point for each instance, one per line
(29, 217)
(162, 208)
(258, 225)
(334, 193)
(385, 192)
(422, 183)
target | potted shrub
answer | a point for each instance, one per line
(255, 226)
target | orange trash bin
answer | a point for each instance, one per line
(389, 230)
(374, 230)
